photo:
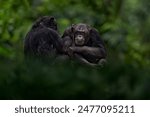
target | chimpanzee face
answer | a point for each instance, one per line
(79, 38)
(81, 34)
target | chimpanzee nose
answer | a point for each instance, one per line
(80, 37)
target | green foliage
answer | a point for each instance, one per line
(124, 27)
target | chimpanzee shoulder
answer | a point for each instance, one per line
(95, 39)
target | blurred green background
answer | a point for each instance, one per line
(124, 26)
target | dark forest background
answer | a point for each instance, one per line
(124, 26)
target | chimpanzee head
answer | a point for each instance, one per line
(46, 21)
(81, 34)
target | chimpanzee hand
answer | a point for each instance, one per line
(70, 51)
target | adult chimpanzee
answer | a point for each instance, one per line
(84, 43)
(43, 39)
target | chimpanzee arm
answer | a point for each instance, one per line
(84, 61)
(89, 51)
(55, 39)
(67, 42)
(67, 39)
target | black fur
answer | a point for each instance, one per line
(91, 52)
(43, 39)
